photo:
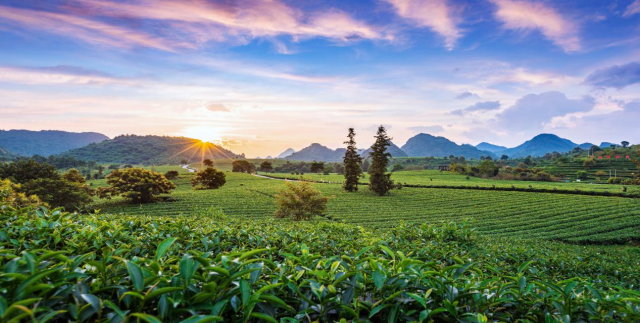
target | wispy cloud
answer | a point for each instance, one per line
(616, 76)
(466, 95)
(478, 107)
(190, 24)
(427, 129)
(436, 15)
(530, 15)
(632, 9)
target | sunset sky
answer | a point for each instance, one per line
(266, 75)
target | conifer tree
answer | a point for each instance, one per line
(352, 160)
(379, 180)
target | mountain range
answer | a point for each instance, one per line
(425, 145)
(150, 150)
(46, 142)
(6, 155)
(538, 146)
(318, 152)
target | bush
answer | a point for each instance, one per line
(209, 178)
(172, 174)
(581, 174)
(136, 184)
(10, 194)
(242, 166)
(300, 201)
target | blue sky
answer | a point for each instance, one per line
(265, 75)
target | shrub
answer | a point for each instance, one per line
(242, 166)
(172, 174)
(209, 178)
(10, 194)
(300, 201)
(581, 174)
(136, 184)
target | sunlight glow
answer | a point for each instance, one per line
(203, 133)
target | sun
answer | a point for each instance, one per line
(204, 134)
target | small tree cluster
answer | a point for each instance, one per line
(172, 174)
(136, 184)
(209, 178)
(300, 201)
(266, 166)
(243, 166)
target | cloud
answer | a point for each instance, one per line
(427, 129)
(616, 76)
(189, 24)
(632, 9)
(62, 74)
(88, 30)
(533, 111)
(436, 15)
(217, 107)
(467, 94)
(526, 15)
(478, 107)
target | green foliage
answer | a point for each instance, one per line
(136, 184)
(266, 166)
(379, 181)
(172, 174)
(12, 196)
(352, 161)
(243, 166)
(582, 175)
(300, 201)
(208, 162)
(209, 178)
(23, 171)
(396, 168)
(317, 167)
(69, 267)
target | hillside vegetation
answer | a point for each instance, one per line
(47, 142)
(148, 150)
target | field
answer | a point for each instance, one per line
(547, 216)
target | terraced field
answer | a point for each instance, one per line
(574, 218)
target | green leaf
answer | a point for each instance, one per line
(251, 254)
(93, 300)
(378, 279)
(164, 247)
(161, 291)
(202, 319)
(135, 272)
(147, 318)
(245, 292)
(263, 317)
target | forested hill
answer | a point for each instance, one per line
(158, 150)
(46, 142)
(5, 154)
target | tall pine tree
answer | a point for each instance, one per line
(379, 181)
(352, 160)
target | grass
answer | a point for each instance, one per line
(541, 216)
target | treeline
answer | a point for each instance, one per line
(496, 170)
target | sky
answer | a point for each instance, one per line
(260, 76)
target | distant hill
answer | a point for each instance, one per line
(607, 144)
(394, 150)
(46, 142)
(540, 145)
(286, 153)
(158, 150)
(318, 152)
(6, 155)
(586, 145)
(425, 145)
(490, 147)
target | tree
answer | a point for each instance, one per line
(184, 162)
(207, 162)
(317, 167)
(172, 174)
(114, 166)
(379, 181)
(73, 175)
(625, 144)
(365, 165)
(339, 168)
(136, 184)
(266, 166)
(488, 168)
(581, 174)
(397, 167)
(242, 166)
(10, 194)
(352, 161)
(209, 178)
(23, 171)
(504, 157)
(300, 201)
(588, 164)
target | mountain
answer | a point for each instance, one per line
(394, 150)
(540, 145)
(46, 142)
(586, 145)
(490, 147)
(607, 144)
(6, 155)
(286, 153)
(148, 150)
(318, 152)
(425, 145)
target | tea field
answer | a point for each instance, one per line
(546, 216)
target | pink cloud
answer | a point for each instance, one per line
(87, 30)
(525, 15)
(436, 15)
(632, 9)
(191, 23)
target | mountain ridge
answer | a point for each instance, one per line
(46, 142)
